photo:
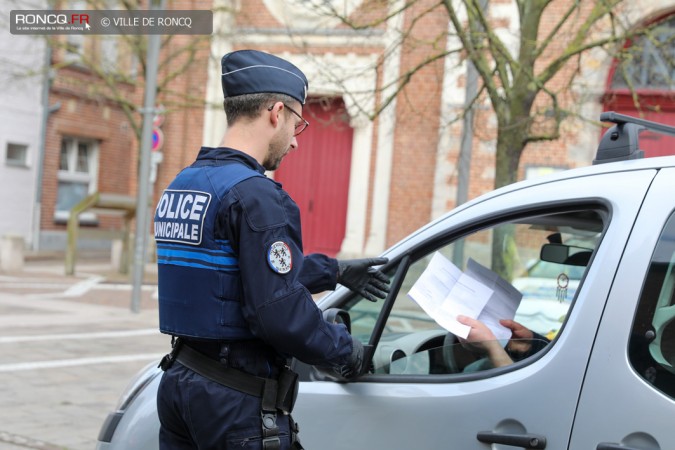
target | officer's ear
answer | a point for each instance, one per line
(274, 113)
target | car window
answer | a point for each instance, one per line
(413, 342)
(652, 343)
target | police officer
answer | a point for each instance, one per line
(234, 285)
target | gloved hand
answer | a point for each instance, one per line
(354, 367)
(359, 276)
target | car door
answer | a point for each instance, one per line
(423, 390)
(631, 375)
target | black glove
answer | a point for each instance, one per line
(359, 276)
(355, 365)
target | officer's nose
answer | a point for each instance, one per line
(294, 143)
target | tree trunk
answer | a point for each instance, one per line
(511, 138)
(510, 145)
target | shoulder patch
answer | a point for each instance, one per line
(279, 257)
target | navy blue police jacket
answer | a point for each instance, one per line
(231, 264)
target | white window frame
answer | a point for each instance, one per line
(72, 175)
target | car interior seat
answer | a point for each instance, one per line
(662, 348)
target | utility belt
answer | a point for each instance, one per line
(277, 395)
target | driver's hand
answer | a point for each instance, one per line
(479, 331)
(521, 336)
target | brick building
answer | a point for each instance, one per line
(361, 184)
(92, 139)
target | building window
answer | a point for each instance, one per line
(74, 43)
(16, 155)
(107, 55)
(78, 166)
(647, 63)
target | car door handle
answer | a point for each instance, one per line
(614, 446)
(517, 440)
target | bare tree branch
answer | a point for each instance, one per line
(477, 57)
(114, 81)
(329, 10)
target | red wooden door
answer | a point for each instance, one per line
(316, 175)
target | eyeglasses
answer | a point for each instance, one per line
(300, 126)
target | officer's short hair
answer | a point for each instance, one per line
(250, 106)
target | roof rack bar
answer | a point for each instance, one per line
(621, 142)
(620, 119)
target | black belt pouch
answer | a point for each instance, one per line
(287, 391)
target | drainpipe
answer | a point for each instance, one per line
(46, 111)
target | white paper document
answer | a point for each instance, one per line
(443, 291)
(502, 304)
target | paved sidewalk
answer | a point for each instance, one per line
(68, 347)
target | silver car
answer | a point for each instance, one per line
(597, 371)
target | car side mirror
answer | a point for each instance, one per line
(565, 254)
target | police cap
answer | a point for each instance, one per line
(252, 72)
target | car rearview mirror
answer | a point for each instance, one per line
(565, 254)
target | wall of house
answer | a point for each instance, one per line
(392, 156)
(21, 119)
(417, 125)
(335, 59)
(86, 114)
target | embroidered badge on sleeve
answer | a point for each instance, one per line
(279, 257)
